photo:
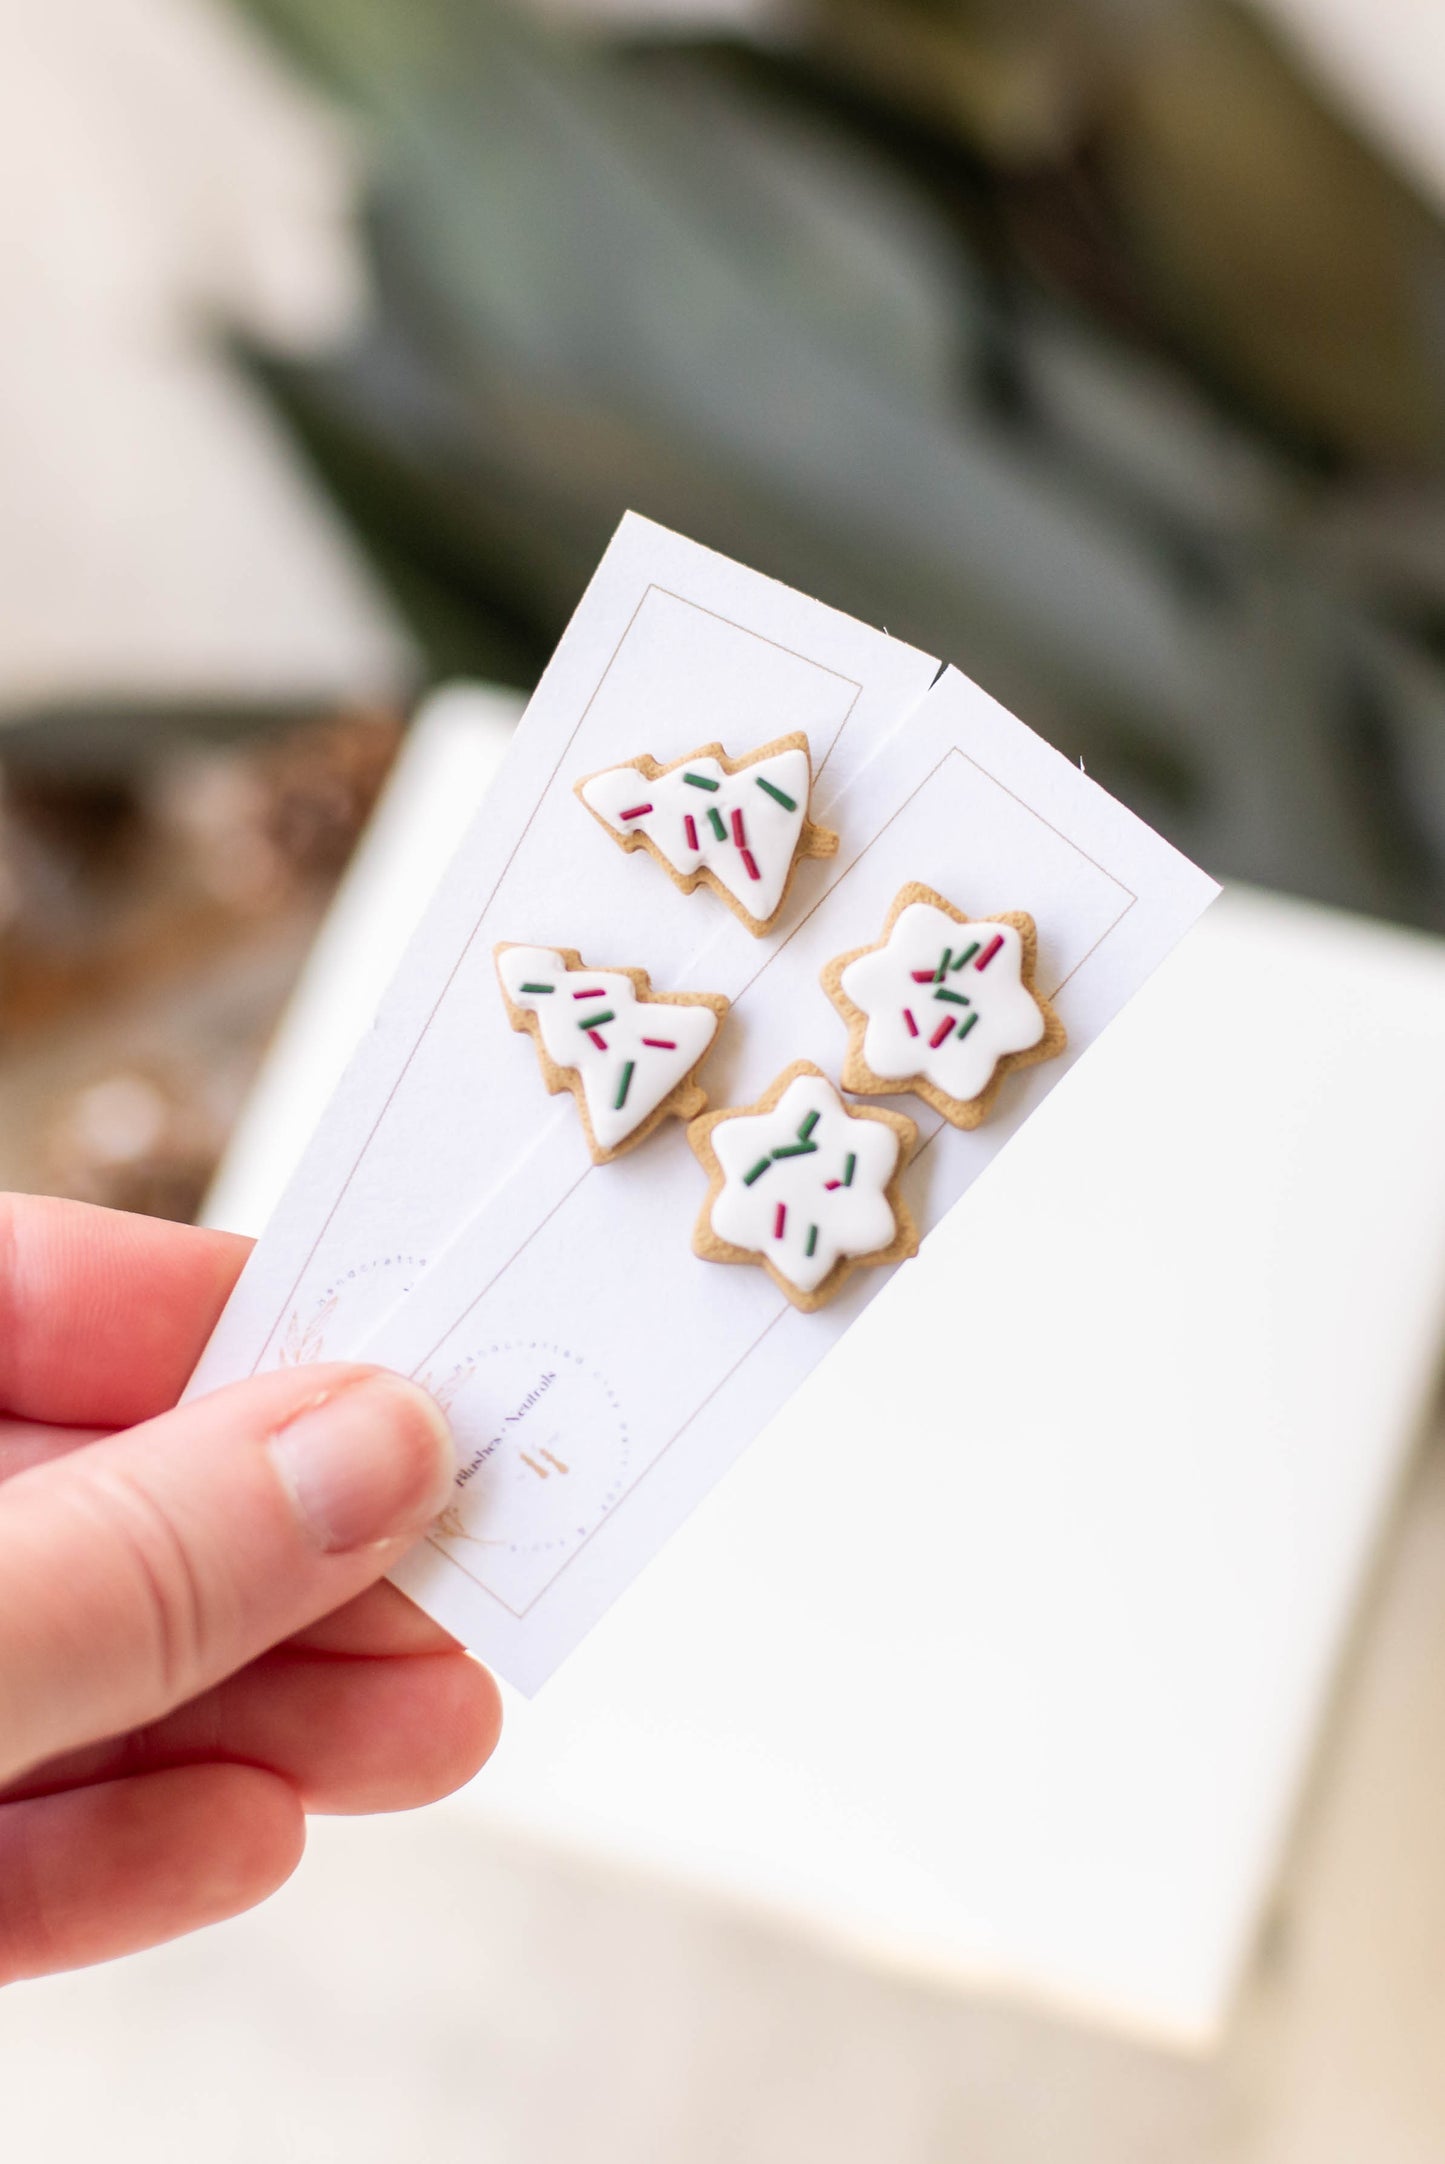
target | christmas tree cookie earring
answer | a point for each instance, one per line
(627, 1054)
(943, 1006)
(739, 826)
(804, 1185)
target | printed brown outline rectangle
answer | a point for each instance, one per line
(954, 752)
(467, 944)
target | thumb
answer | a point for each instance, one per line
(139, 1571)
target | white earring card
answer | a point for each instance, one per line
(449, 1219)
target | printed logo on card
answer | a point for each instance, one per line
(553, 1462)
(343, 1316)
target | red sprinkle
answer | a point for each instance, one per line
(831, 1184)
(738, 835)
(989, 951)
(780, 1220)
(599, 994)
(940, 1033)
(636, 811)
(660, 1044)
(912, 1025)
(753, 872)
(690, 829)
(598, 1039)
(923, 976)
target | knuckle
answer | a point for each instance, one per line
(168, 1594)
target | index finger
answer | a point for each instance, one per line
(103, 1315)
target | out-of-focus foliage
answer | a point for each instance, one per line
(1072, 339)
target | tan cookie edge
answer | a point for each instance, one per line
(970, 1112)
(813, 840)
(711, 1248)
(684, 1101)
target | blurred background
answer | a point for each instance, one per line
(1096, 345)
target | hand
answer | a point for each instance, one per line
(193, 1648)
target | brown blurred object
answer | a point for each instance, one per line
(260, 822)
(104, 885)
(1275, 243)
(134, 1141)
(1262, 241)
(1016, 80)
(150, 930)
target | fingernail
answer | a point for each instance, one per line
(373, 1463)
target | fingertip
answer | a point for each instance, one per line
(486, 1718)
(467, 1733)
(231, 1835)
(257, 1823)
(432, 1722)
(368, 1461)
(94, 1873)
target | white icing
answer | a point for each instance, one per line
(563, 1019)
(770, 831)
(854, 1220)
(883, 984)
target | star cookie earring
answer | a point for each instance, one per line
(943, 1006)
(627, 1054)
(804, 1185)
(739, 826)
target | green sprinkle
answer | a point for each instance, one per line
(797, 1149)
(812, 1247)
(717, 826)
(700, 781)
(942, 970)
(966, 956)
(539, 988)
(594, 1021)
(808, 1125)
(757, 1172)
(964, 1028)
(624, 1086)
(955, 999)
(779, 796)
(849, 1169)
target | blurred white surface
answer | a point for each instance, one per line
(434, 1987)
(1005, 1649)
(164, 184)
(453, 749)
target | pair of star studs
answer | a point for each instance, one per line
(940, 1006)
